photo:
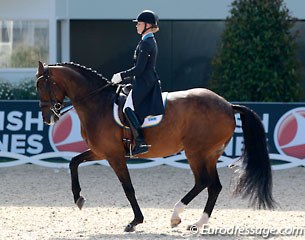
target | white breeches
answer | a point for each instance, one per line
(129, 102)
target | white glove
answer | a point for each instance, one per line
(116, 78)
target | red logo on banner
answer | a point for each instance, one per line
(65, 134)
(289, 133)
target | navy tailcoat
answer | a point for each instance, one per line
(146, 93)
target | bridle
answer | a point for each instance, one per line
(56, 105)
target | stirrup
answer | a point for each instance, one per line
(131, 153)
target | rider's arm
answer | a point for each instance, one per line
(141, 62)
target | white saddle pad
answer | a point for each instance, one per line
(149, 121)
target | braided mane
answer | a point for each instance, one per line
(87, 72)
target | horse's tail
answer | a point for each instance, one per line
(255, 179)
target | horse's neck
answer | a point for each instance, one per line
(81, 90)
(89, 100)
(96, 109)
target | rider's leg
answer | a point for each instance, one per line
(141, 146)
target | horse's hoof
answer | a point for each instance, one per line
(129, 228)
(175, 222)
(80, 202)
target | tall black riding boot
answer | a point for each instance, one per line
(141, 146)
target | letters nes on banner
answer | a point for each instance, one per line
(24, 138)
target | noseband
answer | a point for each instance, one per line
(56, 105)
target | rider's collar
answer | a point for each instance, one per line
(147, 35)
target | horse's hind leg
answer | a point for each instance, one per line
(85, 156)
(201, 182)
(213, 191)
(205, 175)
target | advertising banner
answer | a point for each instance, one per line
(24, 138)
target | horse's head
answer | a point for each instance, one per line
(51, 94)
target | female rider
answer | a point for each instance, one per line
(145, 97)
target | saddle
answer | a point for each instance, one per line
(119, 117)
(120, 99)
(119, 102)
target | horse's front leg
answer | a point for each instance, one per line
(121, 170)
(85, 156)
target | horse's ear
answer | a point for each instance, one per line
(40, 69)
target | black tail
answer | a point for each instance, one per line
(255, 179)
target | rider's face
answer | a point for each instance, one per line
(140, 27)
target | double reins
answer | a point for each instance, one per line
(90, 94)
(57, 106)
(82, 99)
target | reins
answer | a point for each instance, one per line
(81, 99)
(56, 106)
(90, 94)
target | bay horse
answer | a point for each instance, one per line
(198, 121)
